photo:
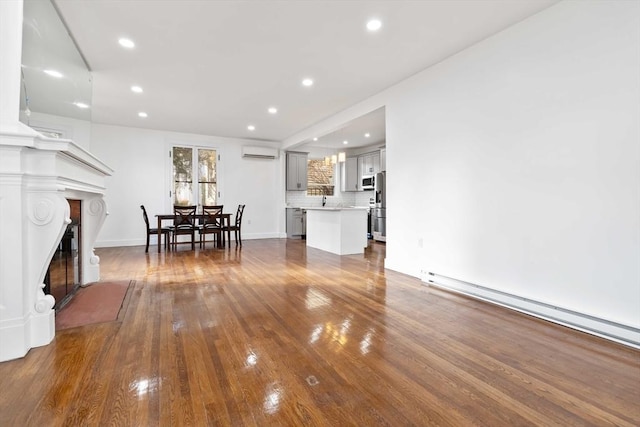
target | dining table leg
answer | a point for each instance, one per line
(160, 233)
(225, 220)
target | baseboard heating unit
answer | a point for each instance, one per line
(614, 331)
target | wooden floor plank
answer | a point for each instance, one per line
(275, 333)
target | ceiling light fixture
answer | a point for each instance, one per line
(342, 157)
(272, 110)
(136, 89)
(374, 25)
(54, 73)
(81, 105)
(307, 82)
(124, 42)
(251, 127)
(315, 139)
(345, 142)
(367, 135)
(143, 114)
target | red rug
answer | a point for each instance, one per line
(97, 303)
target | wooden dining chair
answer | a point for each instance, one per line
(211, 224)
(165, 231)
(184, 223)
(236, 227)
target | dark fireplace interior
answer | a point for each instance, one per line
(63, 275)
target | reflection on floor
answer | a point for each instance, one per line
(274, 333)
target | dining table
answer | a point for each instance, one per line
(226, 218)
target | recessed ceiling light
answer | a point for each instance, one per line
(81, 105)
(136, 89)
(367, 135)
(54, 73)
(251, 127)
(272, 110)
(129, 44)
(307, 82)
(374, 25)
(315, 139)
(143, 114)
(345, 142)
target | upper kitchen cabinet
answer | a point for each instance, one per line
(349, 177)
(369, 164)
(296, 171)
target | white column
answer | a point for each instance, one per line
(16, 300)
(11, 48)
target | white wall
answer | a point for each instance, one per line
(515, 164)
(77, 130)
(140, 160)
(524, 153)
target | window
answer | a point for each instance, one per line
(207, 177)
(187, 163)
(320, 178)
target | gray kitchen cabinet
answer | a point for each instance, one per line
(349, 177)
(296, 222)
(296, 171)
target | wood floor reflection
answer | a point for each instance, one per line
(278, 334)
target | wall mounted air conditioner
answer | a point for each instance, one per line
(259, 152)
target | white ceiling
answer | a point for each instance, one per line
(372, 124)
(214, 67)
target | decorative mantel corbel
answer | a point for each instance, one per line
(48, 214)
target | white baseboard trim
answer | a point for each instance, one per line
(256, 236)
(613, 331)
(116, 243)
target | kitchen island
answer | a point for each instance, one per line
(339, 230)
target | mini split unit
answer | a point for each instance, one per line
(259, 152)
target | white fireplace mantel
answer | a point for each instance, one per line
(37, 176)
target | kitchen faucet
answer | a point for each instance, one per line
(324, 200)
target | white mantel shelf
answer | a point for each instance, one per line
(339, 230)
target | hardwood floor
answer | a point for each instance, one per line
(278, 334)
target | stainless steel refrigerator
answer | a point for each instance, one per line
(379, 216)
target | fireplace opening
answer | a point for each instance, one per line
(63, 275)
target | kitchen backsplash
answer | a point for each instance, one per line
(300, 198)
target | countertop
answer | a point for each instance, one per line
(333, 208)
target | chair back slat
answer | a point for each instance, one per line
(212, 216)
(184, 216)
(239, 213)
